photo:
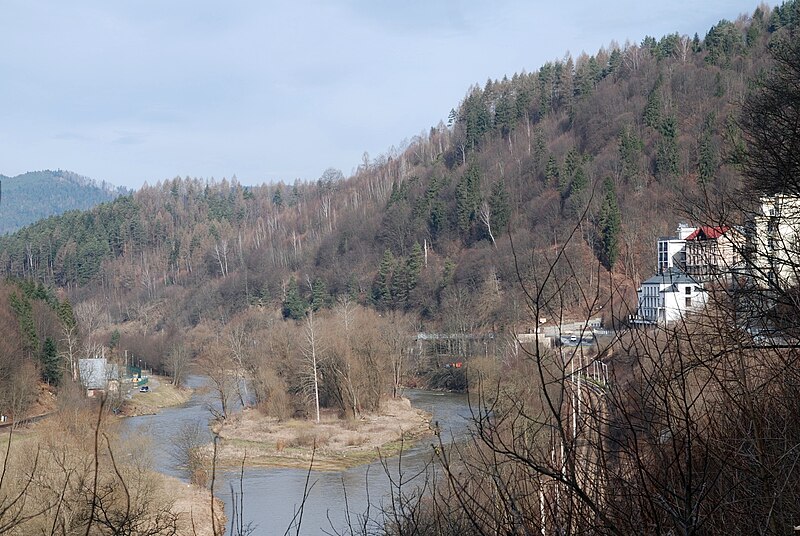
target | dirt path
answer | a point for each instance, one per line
(265, 441)
(162, 394)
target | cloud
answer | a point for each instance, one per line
(129, 138)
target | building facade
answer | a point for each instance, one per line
(714, 251)
(774, 248)
(668, 297)
(672, 249)
(97, 375)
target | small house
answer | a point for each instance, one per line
(98, 376)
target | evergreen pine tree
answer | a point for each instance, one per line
(579, 181)
(66, 315)
(504, 114)
(114, 341)
(584, 82)
(522, 103)
(499, 208)
(319, 295)
(294, 306)
(51, 369)
(23, 309)
(477, 120)
(667, 160)
(546, 82)
(652, 110)
(436, 219)
(696, 45)
(468, 197)
(352, 288)
(609, 225)
(277, 197)
(452, 117)
(630, 154)
(614, 61)
(413, 269)
(382, 286)
(571, 162)
(400, 284)
(575, 200)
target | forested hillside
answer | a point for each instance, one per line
(32, 196)
(606, 148)
(34, 323)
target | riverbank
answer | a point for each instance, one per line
(162, 394)
(192, 504)
(60, 453)
(335, 444)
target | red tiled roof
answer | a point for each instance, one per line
(706, 232)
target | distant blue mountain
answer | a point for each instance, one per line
(32, 196)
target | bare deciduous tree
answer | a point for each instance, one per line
(485, 214)
(312, 353)
(216, 363)
(177, 363)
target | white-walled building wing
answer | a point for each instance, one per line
(671, 249)
(775, 242)
(667, 297)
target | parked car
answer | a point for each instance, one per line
(144, 389)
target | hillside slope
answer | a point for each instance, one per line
(600, 152)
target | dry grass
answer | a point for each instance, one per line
(193, 506)
(62, 451)
(355, 440)
(338, 442)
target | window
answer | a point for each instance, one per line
(688, 290)
(688, 301)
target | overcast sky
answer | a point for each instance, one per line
(144, 90)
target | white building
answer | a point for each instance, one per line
(775, 242)
(98, 375)
(667, 297)
(672, 249)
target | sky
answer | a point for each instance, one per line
(135, 91)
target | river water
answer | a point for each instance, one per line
(272, 496)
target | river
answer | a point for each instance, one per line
(272, 496)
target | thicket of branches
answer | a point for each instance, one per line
(348, 359)
(694, 431)
(82, 480)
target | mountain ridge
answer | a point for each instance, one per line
(34, 195)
